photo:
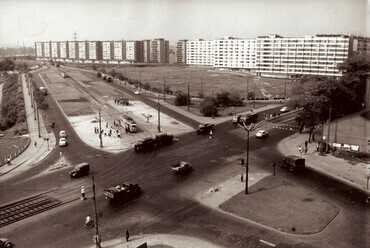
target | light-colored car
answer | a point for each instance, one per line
(284, 109)
(62, 134)
(137, 92)
(262, 133)
(62, 142)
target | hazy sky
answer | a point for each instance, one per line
(27, 21)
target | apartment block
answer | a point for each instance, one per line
(55, 50)
(73, 51)
(95, 50)
(119, 50)
(180, 52)
(132, 51)
(200, 52)
(234, 53)
(47, 49)
(83, 50)
(39, 48)
(108, 50)
(146, 51)
(63, 50)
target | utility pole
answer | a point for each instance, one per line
(100, 132)
(188, 96)
(35, 109)
(164, 89)
(247, 91)
(327, 146)
(241, 161)
(140, 81)
(38, 120)
(254, 94)
(159, 116)
(97, 236)
(201, 85)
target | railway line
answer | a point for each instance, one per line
(27, 207)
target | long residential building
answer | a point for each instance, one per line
(275, 55)
(147, 51)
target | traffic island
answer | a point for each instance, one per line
(282, 205)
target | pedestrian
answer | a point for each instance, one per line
(211, 134)
(300, 149)
(106, 125)
(305, 144)
(35, 143)
(241, 177)
(83, 197)
(8, 161)
(127, 235)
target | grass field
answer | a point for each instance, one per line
(206, 80)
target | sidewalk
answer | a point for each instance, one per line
(35, 152)
(333, 167)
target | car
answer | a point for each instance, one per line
(181, 167)
(80, 170)
(205, 128)
(5, 243)
(62, 134)
(262, 133)
(62, 142)
(284, 109)
(137, 92)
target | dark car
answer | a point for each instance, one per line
(293, 163)
(163, 139)
(80, 170)
(205, 128)
(5, 243)
(122, 192)
(182, 167)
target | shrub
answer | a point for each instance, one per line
(181, 99)
(208, 107)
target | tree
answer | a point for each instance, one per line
(7, 65)
(120, 76)
(222, 99)
(208, 107)
(113, 73)
(146, 86)
(181, 99)
(94, 67)
(98, 74)
(235, 100)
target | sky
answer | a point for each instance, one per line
(23, 22)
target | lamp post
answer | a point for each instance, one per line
(241, 161)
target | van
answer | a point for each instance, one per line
(80, 170)
(62, 134)
(293, 163)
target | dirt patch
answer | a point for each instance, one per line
(11, 142)
(284, 206)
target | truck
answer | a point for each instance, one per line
(150, 143)
(293, 163)
(123, 192)
(245, 119)
(129, 124)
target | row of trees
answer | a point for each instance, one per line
(12, 104)
(209, 105)
(324, 98)
(7, 65)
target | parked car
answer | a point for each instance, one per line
(262, 133)
(80, 170)
(5, 243)
(62, 142)
(137, 92)
(284, 109)
(62, 134)
(205, 128)
(293, 163)
(182, 167)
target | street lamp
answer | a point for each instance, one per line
(241, 161)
